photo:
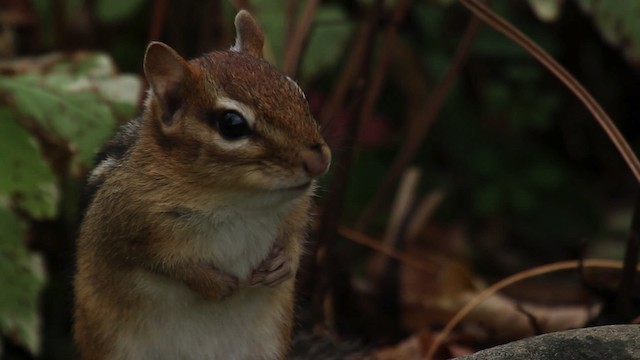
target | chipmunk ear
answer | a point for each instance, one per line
(249, 35)
(165, 71)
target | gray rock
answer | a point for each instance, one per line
(613, 342)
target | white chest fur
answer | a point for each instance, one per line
(237, 245)
(234, 239)
(178, 324)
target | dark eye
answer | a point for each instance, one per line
(233, 126)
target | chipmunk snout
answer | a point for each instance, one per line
(316, 160)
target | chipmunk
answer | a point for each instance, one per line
(197, 212)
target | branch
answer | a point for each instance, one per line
(416, 136)
(299, 37)
(157, 19)
(404, 257)
(328, 262)
(502, 284)
(485, 14)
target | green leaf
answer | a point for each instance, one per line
(270, 14)
(618, 23)
(24, 175)
(327, 41)
(116, 10)
(546, 10)
(81, 118)
(328, 37)
(70, 106)
(21, 280)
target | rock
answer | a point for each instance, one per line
(613, 342)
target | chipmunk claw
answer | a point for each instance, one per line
(213, 283)
(273, 270)
(227, 285)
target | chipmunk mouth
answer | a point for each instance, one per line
(301, 187)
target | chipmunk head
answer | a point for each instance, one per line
(231, 118)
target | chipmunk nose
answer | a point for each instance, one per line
(316, 160)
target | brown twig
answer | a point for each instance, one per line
(396, 226)
(155, 32)
(380, 72)
(157, 19)
(500, 24)
(502, 284)
(349, 72)
(403, 203)
(416, 136)
(423, 213)
(241, 4)
(291, 59)
(531, 318)
(290, 12)
(402, 256)
(332, 210)
(59, 12)
(212, 31)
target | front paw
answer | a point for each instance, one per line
(273, 270)
(213, 283)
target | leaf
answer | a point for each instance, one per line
(21, 280)
(618, 23)
(328, 37)
(74, 99)
(271, 17)
(24, 175)
(81, 118)
(327, 41)
(70, 102)
(547, 10)
(116, 10)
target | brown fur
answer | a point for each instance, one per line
(169, 169)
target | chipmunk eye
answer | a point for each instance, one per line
(233, 126)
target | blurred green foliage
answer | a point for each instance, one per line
(512, 146)
(117, 10)
(31, 177)
(618, 24)
(21, 280)
(331, 32)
